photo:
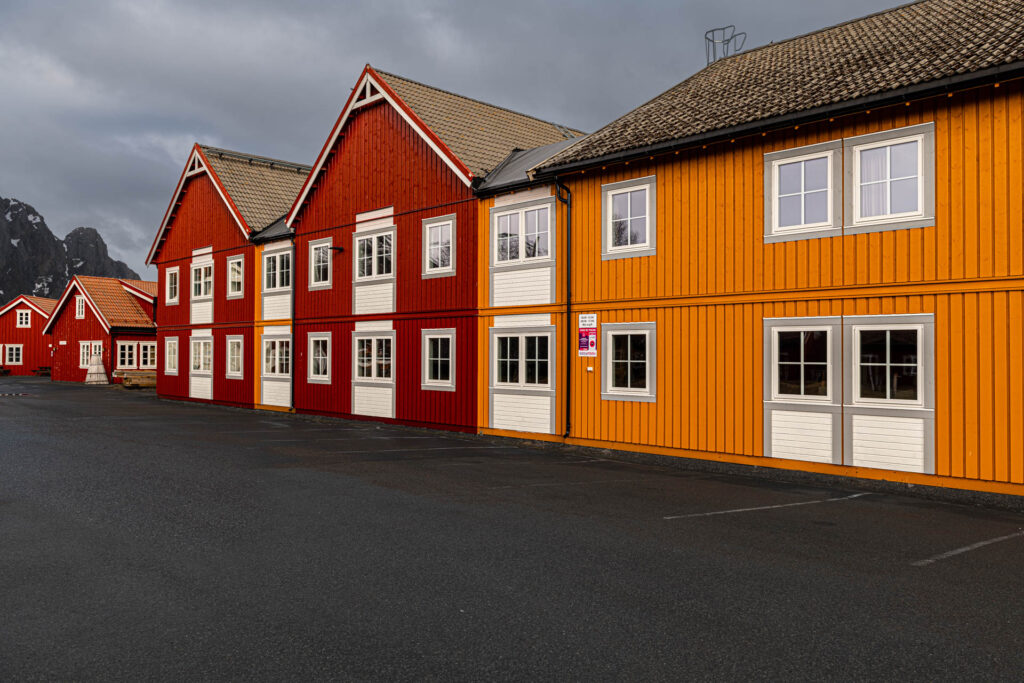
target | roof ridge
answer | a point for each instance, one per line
(243, 156)
(562, 128)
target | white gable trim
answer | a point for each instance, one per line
(21, 300)
(73, 286)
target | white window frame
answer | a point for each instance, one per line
(203, 280)
(773, 161)
(276, 257)
(856, 329)
(274, 346)
(229, 342)
(921, 179)
(176, 272)
(521, 335)
(326, 244)
(613, 393)
(829, 372)
(829, 222)
(520, 212)
(169, 367)
(240, 294)
(311, 340)
(79, 307)
(437, 222)
(202, 343)
(373, 237)
(375, 339)
(122, 348)
(27, 312)
(608, 193)
(92, 347)
(7, 354)
(426, 336)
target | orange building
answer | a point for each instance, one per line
(810, 256)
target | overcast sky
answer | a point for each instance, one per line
(101, 101)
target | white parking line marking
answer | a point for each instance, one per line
(766, 507)
(566, 483)
(966, 549)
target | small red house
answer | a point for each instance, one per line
(103, 316)
(24, 349)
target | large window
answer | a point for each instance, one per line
(438, 359)
(277, 271)
(319, 358)
(373, 359)
(320, 264)
(79, 307)
(628, 211)
(888, 181)
(523, 360)
(522, 235)
(202, 356)
(234, 365)
(802, 193)
(888, 363)
(277, 357)
(126, 355)
(171, 356)
(12, 354)
(629, 366)
(24, 318)
(373, 256)
(803, 367)
(171, 283)
(439, 246)
(202, 281)
(236, 277)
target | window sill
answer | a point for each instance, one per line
(521, 390)
(628, 253)
(320, 286)
(437, 387)
(318, 380)
(438, 273)
(373, 280)
(364, 382)
(814, 233)
(524, 265)
(636, 398)
(885, 225)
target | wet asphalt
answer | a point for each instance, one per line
(143, 539)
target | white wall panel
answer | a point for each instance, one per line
(522, 413)
(374, 298)
(891, 443)
(202, 312)
(200, 387)
(375, 401)
(802, 435)
(522, 287)
(276, 392)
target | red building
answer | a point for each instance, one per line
(106, 317)
(24, 349)
(386, 248)
(212, 297)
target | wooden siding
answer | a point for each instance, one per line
(35, 346)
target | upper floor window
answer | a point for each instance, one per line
(522, 235)
(202, 281)
(373, 358)
(320, 264)
(629, 218)
(79, 307)
(236, 278)
(24, 318)
(373, 256)
(277, 271)
(803, 190)
(439, 246)
(171, 284)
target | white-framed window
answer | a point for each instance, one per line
(79, 307)
(630, 361)
(24, 318)
(171, 356)
(277, 271)
(277, 357)
(202, 356)
(629, 218)
(126, 359)
(321, 264)
(887, 364)
(236, 277)
(438, 353)
(522, 235)
(147, 355)
(233, 368)
(319, 357)
(439, 246)
(803, 193)
(374, 254)
(13, 354)
(171, 286)
(373, 359)
(86, 350)
(522, 360)
(202, 281)
(801, 357)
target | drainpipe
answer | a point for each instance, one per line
(567, 200)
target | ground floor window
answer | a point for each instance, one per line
(523, 360)
(86, 350)
(234, 359)
(628, 371)
(202, 356)
(438, 354)
(126, 355)
(802, 362)
(319, 370)
(373, 358)
(12, 354)
(147, 355)
(277, 357)
(887, 360)
(171, 356)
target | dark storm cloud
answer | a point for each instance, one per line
(101, 101)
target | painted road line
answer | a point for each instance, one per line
(565, 483)
(966, 549)
(766, 507)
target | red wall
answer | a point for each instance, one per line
(380, 161)
(72, 331)
(35, 350)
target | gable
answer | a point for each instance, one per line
(66, 306)
(202, 219)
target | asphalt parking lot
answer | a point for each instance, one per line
(148, 539)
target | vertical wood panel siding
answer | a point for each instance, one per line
(35, 346)
(68, 329)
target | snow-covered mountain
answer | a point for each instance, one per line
(34, 261)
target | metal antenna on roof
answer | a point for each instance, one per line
(720, 43)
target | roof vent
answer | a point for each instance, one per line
(720, 43)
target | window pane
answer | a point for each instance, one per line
(789, 178)
(903, 346)
(620, 233)
(789, 378)
(637, 347)
(872, 200)
(903, 160)
(638, 231)
(542, 244)
(638, 375)
(816, 207)
(531, 371)
(903, 382)
(816, 346)
(872, 381)
(872, 346)
(904, 195)
(872, 164)
(271, 272)
(789, 211)
(815, 379)
(620, 347)
(620, 374)
(789, 347)
(816, 174)
(285, 268)
(638, 203)
(531, 347)
(620, 207)
(542, 372)
(384, 358)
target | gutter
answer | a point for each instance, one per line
(567, 200)
(995, 74)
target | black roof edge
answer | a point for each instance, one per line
(511, 187)
(889, 97)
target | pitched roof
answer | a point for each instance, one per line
(481, 135)
(120, 308)
(42, 303)
(906, 46)
(513, 171)
(262, 188)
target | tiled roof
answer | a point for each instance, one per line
(43, 304)
(481, 135)
(263, 189)
(120, 308)
(902, 47)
